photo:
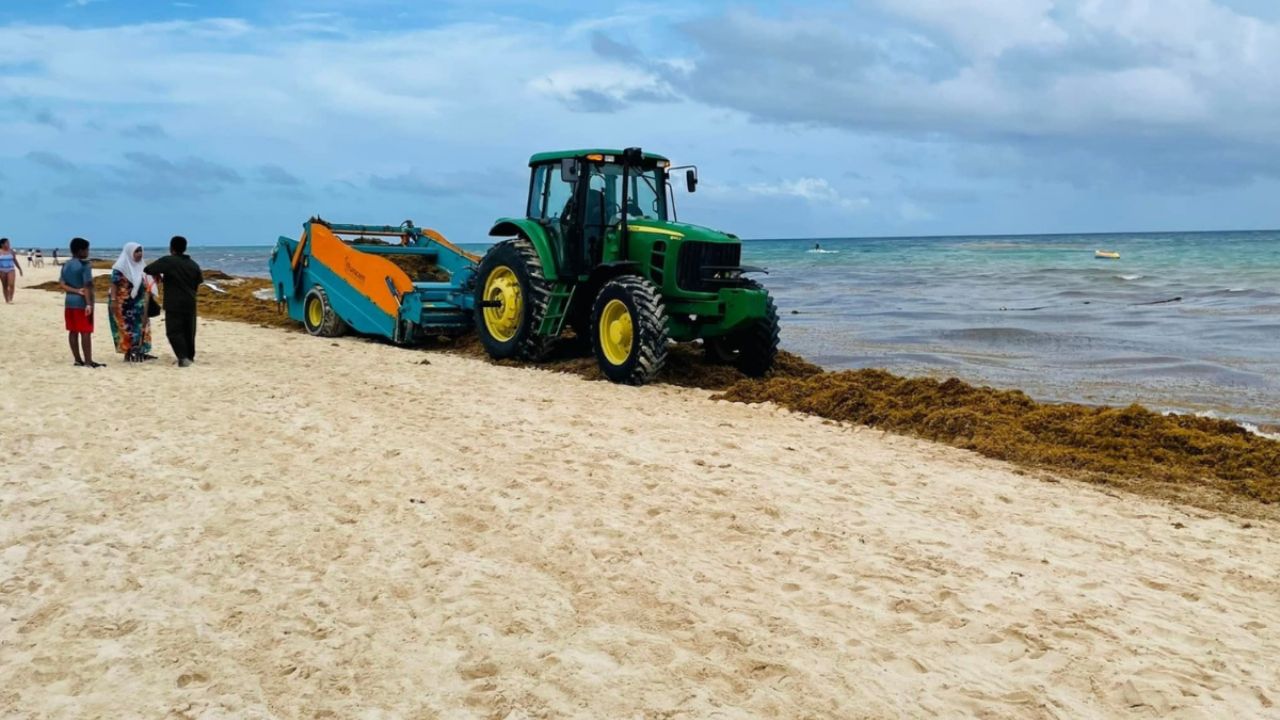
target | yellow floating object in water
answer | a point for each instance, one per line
(1107, 254)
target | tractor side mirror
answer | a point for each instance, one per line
(691, 180)
(569, 170)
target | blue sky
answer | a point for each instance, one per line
(232, 122)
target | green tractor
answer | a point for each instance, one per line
(599, 250)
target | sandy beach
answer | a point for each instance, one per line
(306, 528)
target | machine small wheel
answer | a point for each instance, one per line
(319, 317)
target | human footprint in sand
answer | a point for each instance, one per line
(8, 262)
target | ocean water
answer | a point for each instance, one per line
(1182, 321)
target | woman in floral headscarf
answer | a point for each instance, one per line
(127, 305)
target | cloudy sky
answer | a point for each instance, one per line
(234, 121)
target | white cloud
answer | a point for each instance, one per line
(464, 105)
(227, 79)
(990, 97)
(912, 212)
(986, 28)
(814, 190)
(1155, 89)
(601, 87)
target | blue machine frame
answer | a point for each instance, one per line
(367, 291)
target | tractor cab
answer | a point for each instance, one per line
(580, 196)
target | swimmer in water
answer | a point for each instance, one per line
(817, 246)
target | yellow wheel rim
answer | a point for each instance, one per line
(315, 312)
(615, 332)
(503, 287)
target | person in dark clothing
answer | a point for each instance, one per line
(180, 278)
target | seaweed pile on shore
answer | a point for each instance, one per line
(685, 366)
(239, 302)
(1200, 461)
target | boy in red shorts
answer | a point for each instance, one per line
(77, 282)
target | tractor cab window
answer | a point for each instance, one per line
(549, 194)
(559, 196)
(537, 187)
(645, 198)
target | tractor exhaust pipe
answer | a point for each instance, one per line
(631, 157)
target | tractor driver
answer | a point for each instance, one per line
(593, 228)
(593, 222)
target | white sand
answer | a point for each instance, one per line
(306, 528)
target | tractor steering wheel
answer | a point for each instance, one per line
(636, 214)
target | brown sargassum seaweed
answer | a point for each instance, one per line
(1202, 461)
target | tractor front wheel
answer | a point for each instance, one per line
(511, 300)
(753, 349)
(629, 330)
(318, 315)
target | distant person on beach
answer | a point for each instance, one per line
(8, 263)
(56, 262)
(39, 258)
(127, 306)
(180, 277)
(76, 280)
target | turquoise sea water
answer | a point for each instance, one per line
(1182, 321)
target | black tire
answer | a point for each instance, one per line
(719, 351)
(329, 325)
(517, 255)
(648, 315)
(753, 349)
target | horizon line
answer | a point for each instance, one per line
(832, 237)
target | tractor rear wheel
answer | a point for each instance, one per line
(511, 299)
(318, 315)
(753, 349)
(629, 330)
